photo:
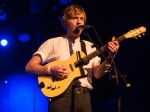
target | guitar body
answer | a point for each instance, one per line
(51, 87)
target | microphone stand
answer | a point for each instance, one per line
(116, 75)
(117, 86)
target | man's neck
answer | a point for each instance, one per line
(72, 37)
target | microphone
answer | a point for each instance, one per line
(80, 27)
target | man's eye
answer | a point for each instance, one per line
(74, 18)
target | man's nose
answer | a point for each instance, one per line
(79, 21)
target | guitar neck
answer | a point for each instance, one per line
(90, 56)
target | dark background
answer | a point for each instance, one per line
(40, 19)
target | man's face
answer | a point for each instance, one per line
(73, 22)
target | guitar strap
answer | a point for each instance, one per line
(83, 47)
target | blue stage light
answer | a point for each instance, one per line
(65, 2)
(36, 6)
(4, 42)
(55, 8)
(2, 14)
(23, 91)
(24, 37)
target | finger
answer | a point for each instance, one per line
(116, 44)
(114, 41)
(113, 44)
(63, 67)
(113, 38)
(62, 77)
(66, 73)
(62, 72)
(112, 48)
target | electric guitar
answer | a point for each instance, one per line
(52, 87)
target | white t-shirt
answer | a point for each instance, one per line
(60, 48)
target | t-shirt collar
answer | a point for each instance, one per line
(77, 40)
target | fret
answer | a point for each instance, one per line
(121, 38)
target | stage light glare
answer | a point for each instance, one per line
(55, 8)
(24, 37)
(65, 2)
(4, 42)
(2, 14)
(6, 81)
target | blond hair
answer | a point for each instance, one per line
(70, 11)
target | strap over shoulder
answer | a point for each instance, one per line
(83, 47)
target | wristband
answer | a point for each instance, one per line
(48, 69)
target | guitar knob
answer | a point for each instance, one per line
(48, 87)
(53, 87)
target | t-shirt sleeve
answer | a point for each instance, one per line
(44, 50)
(96, 60)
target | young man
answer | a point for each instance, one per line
(61, 48)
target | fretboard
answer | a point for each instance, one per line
(90, 56)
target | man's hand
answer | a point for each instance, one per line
(59, 71)
(113, 46)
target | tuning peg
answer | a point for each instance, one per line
(139, 36)
(135, 37)
(143, 33)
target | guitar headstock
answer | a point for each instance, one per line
(135, 32)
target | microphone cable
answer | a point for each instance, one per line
(97, 35)
(34, 105)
